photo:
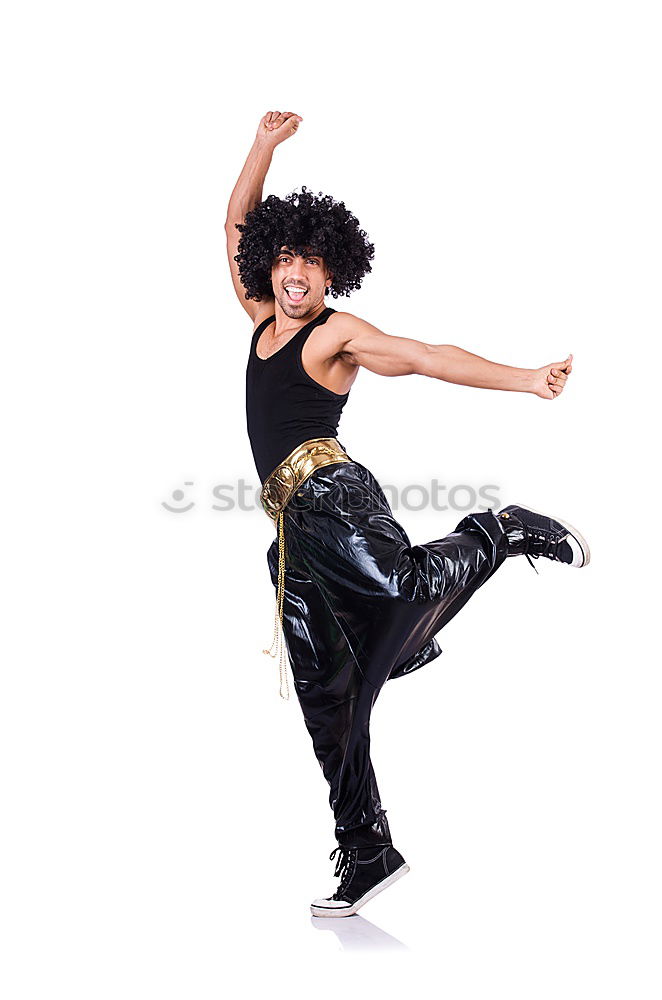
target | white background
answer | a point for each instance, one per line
(165, 823)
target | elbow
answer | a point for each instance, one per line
(433, 361)
(231, 223)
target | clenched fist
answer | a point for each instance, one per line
(277, 126)
(550, 380)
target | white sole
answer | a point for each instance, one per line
(568, 527)
(347, 911)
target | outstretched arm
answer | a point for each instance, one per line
(273, 129)
(369, 347)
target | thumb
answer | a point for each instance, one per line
(564, 365)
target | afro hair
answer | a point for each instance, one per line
(304, 223)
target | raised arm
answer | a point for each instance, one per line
(362, 344)
(273, 129)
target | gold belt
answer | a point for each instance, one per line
(278, 489)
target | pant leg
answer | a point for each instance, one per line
(336, 702)
(389, 597)
(434, 580)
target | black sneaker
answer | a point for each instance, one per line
(531, 533)
(364, 872)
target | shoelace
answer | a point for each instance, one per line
(343, 866)
(551, 544)
(278, 642)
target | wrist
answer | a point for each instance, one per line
(530, 380)
(263, 144)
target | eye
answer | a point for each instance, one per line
(311, 260)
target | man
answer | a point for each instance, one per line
(356, 603)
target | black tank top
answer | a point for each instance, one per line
(284, 405)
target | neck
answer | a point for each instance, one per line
(286, 324)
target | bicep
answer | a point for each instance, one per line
(383, 353)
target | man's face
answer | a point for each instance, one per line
(299, 282)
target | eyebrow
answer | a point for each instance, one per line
(288, 253)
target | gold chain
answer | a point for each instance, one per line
(277, 489)
(278, 641)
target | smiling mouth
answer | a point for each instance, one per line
(294, 293)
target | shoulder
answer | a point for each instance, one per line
(340, 318)
(346, 325)
(342, 328)
(344, 322)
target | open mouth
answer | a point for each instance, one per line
(295, 293)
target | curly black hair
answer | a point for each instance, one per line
(305, 224)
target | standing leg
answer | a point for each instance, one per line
(336, 701)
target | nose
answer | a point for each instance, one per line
(297, 272)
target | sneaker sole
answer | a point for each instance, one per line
(347, 911)
(568, 527)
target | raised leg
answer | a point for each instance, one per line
(388, 597)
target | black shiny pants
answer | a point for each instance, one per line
(362, 606)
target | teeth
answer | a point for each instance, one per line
(293, 288)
